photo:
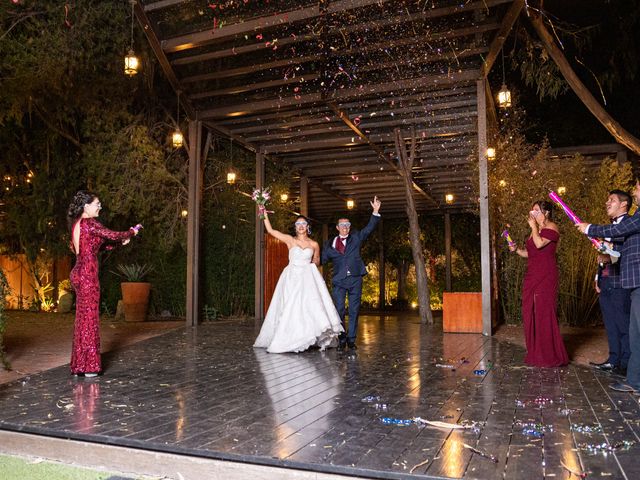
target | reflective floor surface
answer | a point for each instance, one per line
(207, 392)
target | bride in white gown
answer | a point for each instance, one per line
(301, 313)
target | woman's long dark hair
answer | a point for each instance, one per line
(76, 207)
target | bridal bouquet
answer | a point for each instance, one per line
(261, 197)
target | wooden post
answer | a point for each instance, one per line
(485, 244)
(304, 196)
(447, 250)
(381, 271)
(259, 247)
(193, 222)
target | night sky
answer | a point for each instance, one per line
(614, 28)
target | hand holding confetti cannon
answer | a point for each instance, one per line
(598, 245)
(508, 238)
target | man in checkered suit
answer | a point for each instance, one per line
(629, 228)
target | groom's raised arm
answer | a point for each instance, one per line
(373, 221)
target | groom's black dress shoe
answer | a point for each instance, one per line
(352, 345)
(606, 367)
(342, 346)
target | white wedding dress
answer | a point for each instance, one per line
(301, 313)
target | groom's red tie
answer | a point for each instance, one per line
(340, 245)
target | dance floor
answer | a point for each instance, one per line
(206, 392)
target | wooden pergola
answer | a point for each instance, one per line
(322, 85)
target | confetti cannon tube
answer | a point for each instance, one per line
(508, 238)
(599, 246)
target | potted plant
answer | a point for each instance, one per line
(135, 291)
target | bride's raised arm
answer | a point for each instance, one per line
(283, 237)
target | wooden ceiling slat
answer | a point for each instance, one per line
(341, 95)
(205, 37)
(263, 24)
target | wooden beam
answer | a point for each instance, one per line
(613, 127)
(483, 187)
(447, 251)
(193, 223)
(341, 95)
(345, 141)
(259, 249)
(262, 24)
(149, 30)
(498, 41)
(253, 87)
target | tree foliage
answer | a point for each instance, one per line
(524, 173)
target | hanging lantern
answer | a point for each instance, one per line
(491, 153)
(231, 178)
(177, 139)
(351, 204)
(504, 97)
(449, 198)
(131, 63)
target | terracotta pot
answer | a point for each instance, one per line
(135, 297)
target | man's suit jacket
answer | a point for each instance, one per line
(350, 261)
(611, 271)
(629, 228)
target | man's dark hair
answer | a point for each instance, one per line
(622, 197)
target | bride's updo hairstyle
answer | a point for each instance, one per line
(76, 207)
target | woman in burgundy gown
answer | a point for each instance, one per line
(87, 238)
(545, 347)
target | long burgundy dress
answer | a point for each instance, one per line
(85, 353)
(545, 347)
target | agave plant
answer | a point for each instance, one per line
(134, 272)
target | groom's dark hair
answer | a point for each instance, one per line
(622, 197)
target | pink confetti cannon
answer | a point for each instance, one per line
(601, 247)
(508, 238)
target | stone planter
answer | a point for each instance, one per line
(135, 297)
(65, 301)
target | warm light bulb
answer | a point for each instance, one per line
(504, 97)
(562, 190)
(502, 183)
(177, 139)
(448, 198)
(131, 63)
(351, 204)
(231, 178)
(184, 213)
(284, 197)
(491, 153)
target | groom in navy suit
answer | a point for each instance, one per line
(629, 228)
(348, 270)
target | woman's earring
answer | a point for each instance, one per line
(308, 230)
